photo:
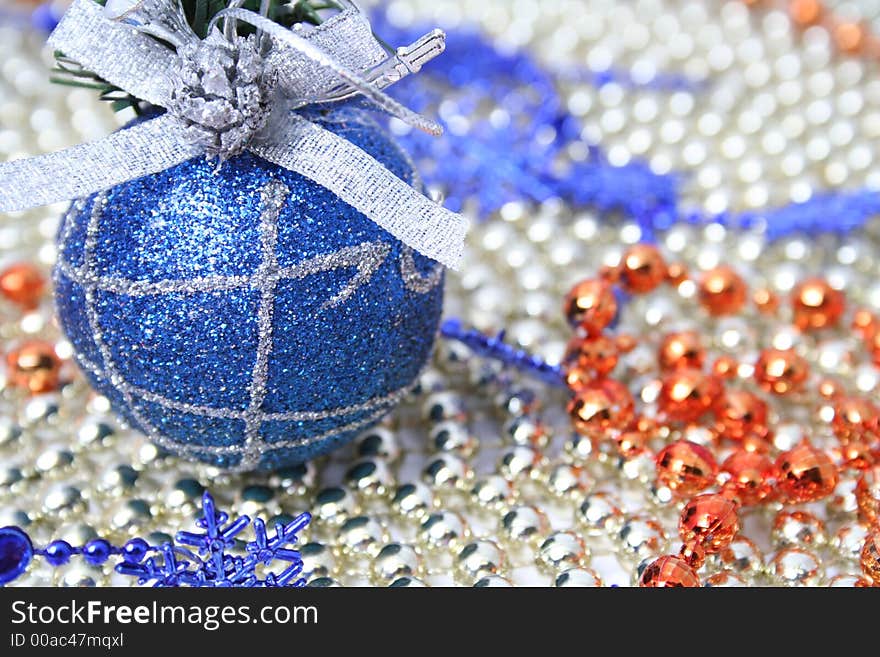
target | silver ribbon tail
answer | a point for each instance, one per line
(365, 184)
(82, 170)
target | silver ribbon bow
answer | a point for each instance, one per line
(227, 93)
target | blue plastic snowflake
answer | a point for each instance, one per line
(214, 561)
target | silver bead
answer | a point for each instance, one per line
(492, 492)
(130, 515)
(578, 449)
(394, 561)
(184, 495)
(80, 576)
(454, 437)
(318, 561)
(118, 479)
(796, 566)
(725, 579)
(846, 581)
(479, 559)
(441, 406)
(361, 535)
(527, 431)
(568, 481)
(42, 408)
(842, 502)
(443, 529)
(525, 524)
(9, 475)
(600, 513)
(520, 402)
(9, 431)
(407, 583)
(561, 551)
(797, 528)
(53, 459)
(741, 556)
(492, 581)
(295, 480)
(62, 499)
(370, 477)
(641, 537)
(379, 442)
(849, 540)
(94, 431)
(334, 506)
(324, 583)
(518, 462)
(447, 471)
(413, 500)
(578, 578)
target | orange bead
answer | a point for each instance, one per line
(766, 301)
(591, 305)
(676, 273)
(816, 305)
(710, 520)
(739, 413)
(805, 12)
(806, 474)
(625, 343)
(722, 291)
(594, 356)
(631, 443)
(600, 407)
(873, 346)
(781, 371)
(609, 274)
(685, 468)
(751, 477)
(829, 388)
(870, 557)
(23, 284)
(642, 269)
(857, 455)
(865, 323)
(756, 443)
(34, 366)
(868, 496)
(668, 571)
(849, 37)
(694, 554)
(725, 367)
(685, 395)
(855, 418)
(681, 350)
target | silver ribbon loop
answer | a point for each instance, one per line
(336, 60)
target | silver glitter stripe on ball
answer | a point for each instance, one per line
(413, 279)
(366, 257)
(273, 196)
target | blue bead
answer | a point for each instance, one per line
(135, 550)
(16, 553)
(58, 553)
(97, 551)
(195, 368)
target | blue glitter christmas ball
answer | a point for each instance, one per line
(246, 316)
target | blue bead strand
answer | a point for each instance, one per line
(496, 349)
(172, 564)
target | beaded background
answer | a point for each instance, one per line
(781, 118)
